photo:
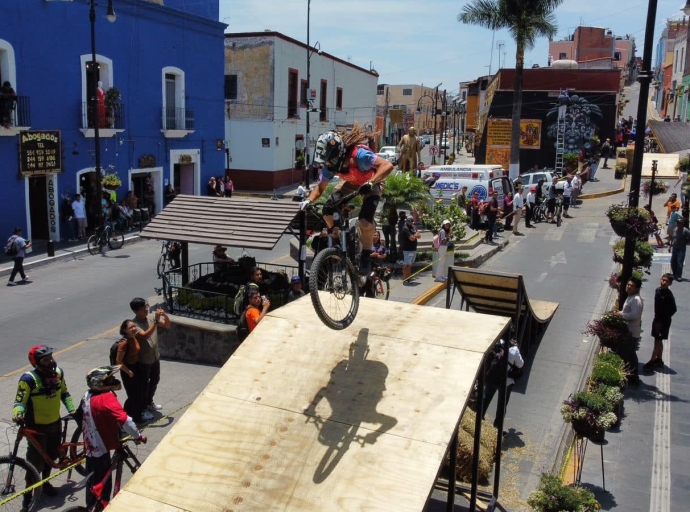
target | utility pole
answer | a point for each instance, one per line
(443, 125)
(433, 157)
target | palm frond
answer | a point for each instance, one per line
(484, 13)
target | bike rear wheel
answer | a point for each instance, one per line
(334, 288)
(76, 451)
(161, 265)
(382, 288)
(23, 475)
(116, 240)
(93, 245)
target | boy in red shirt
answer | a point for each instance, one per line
(103, 417)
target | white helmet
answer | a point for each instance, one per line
(329, 147)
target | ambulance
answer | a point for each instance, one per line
(477, 178)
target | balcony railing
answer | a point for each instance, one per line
(108, 117)
(15, 112)
(178, 119)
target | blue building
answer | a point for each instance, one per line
(166, 60)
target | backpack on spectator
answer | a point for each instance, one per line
(11, 247)
(242, 329)
(437, 241)
(238, 306)
(113, 352)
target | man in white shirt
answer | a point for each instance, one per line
(682, 180)
(79, 215)
(518, 205)
(530, 202)
(567, 192)
(631, 313)
(576, 183)
(302, 190)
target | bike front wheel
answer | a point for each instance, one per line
(558, 217)
(116, 240)
(334, 288)
(161, 265)
(23, 475)
(93, 245)
(382, 289)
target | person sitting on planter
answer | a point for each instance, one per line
(220, 259)
(631, 313)
(296, 290)
(664, 309)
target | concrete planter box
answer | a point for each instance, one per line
(198, 341)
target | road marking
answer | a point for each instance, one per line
(553, 234)
(660, 497)
(542, 276)
(587, 236)
(556, 259)
(62, 351)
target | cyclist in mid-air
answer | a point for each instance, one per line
(360, 169)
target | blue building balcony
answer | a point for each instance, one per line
(111, 120)
(15, 116)
(177, 122)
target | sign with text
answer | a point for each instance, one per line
(498, 133)
(39, 153)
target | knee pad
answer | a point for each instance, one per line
(369, 208)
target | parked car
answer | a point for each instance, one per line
(530, 179)
(426, 139)
(443, 144)
(390, 153)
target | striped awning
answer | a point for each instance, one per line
(233, 222)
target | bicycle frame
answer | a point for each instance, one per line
(64, 460)
(122, 456)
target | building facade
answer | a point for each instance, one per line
(398, 107)
(159, 108)
(267, 99)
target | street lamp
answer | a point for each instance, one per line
(419, 108)
(310, 51)
(111, 17)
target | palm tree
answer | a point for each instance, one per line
(526, 20)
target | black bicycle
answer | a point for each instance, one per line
(169, 258)
(102, 236)
(334, 282)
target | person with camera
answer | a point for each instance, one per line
(493, 374)
(257, 309)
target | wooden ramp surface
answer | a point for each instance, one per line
(304, 418)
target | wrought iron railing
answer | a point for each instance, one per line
(16, 112)
(178, 118)
(198, 301)
(108, 117)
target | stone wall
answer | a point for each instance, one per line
(198, 341)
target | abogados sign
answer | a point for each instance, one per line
(39, 153)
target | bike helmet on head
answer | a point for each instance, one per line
(329, 147)
(38, 352)
(103, 379)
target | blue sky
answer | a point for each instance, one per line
(421, 41)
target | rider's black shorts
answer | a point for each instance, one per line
(551, 205)
(369, 205)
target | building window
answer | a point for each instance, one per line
(103, 72)
(323, 114)
(617, 56)
(339, 98)
(562, 55)
(8, 71)
(380, 89)
(230, 87)
(303, 100)
(407, 92)
(675, 63)
(292, 93)
(175, 115)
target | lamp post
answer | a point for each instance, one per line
(111, 17)
(455, 126)
(433, 157)
(308, 150)
(651, 189)
(644, 77)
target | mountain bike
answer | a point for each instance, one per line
(123, 455)
(169, 258)
(104, 236)
(16, 473)
(334, 281)
(378, 283)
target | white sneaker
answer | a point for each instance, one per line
(26, 279)
(154, 407)
(11, 283)
(146, 416)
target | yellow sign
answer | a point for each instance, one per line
(498, 133)
(498, 156)
(530, 134)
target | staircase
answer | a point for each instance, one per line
(560, 145)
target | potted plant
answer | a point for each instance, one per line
(620, 169)
(683, 164)
(642, 257)
(627, 221)
(111, 180)
(660, 187)
(614, 396)
(589, 413)
(609, 374)
(403, 191)
(553, 495)
(571, 159)
(299, 162)
(611, 329)
(112, 98)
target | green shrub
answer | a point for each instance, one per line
(553, 496)
(610, 358)
(612, 394)
(608, 375)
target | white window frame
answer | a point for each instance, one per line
(180, 95)
(106, 76)
(8, 64)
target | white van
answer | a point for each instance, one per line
(477, 178)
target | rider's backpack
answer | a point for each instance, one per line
(242, 329)
(437, 241)
(11, 247)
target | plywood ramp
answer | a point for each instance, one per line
(304, 418)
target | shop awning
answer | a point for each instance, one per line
(233, 222)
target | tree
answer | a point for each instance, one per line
(526, 20)
(403, 189)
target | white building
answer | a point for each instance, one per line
(266, 102)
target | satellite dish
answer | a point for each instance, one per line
(299, 144)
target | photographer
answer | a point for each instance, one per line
(254, 314)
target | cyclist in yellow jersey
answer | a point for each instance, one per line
(37, 405)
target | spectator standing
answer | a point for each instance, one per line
(220, 186)
(491, 211)
(567, 193)
(149, 354)
(296, 290)
(682, 180)
(672, 221)
(79, 216)
(402, 219)
(664, 309)
(606, 152)
(170, 194)
(475, 214)
(127, 359)
(229, 187)
(671, 201)
(563, 102)
(680, 240)
(8, 99)
(631, 313)
(37, 405)
(444, 236)
(103, 417)
(493, 377)
(254, 314)
(20, 245)
(508, 203)
(462, 198)
(575, 184)
(530, 204)
(518, 205)
(408, 241)
(211, 188)
(551, 205)
(390, 227)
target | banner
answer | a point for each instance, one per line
(498, 133)
(498, 156)
(39, 153)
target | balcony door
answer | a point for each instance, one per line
(170, 102)
(91, 82)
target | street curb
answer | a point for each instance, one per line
(68, 255)
(606, 193)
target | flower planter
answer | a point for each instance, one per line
(584, 429)
(619, 227)
(619, 414)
